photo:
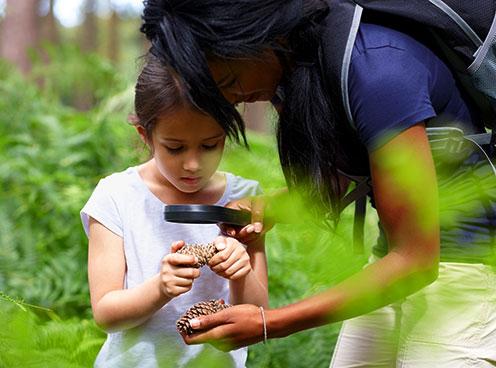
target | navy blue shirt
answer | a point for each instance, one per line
(396, 82)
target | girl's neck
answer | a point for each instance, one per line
(169, 194)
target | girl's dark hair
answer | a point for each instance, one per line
(187, 33)
(158, 91)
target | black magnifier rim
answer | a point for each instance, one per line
(205, 214)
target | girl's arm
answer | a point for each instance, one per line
(252, 289)
(405, 190)
(246, 270)
(115, 308)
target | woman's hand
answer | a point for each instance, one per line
(251, 232)
(232, 261)
(230, 329)
(177, 272)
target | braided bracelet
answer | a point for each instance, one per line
(264, 325)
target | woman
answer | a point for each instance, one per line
(428, 296)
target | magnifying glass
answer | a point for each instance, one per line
(205, 214)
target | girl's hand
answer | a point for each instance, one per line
(232, 328)
(177, 272)
(232, 262)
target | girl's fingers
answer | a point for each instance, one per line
(177, 245)
(224, 265)
(233, 268)
(242, 272)
(221, 257)
(225, 259)
(182, 282)
(181, 259)
(178, 290)
(187, 272)
(220, 243)
(237, 263)
(175, 289)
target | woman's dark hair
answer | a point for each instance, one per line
(158, 91)
(187, 33)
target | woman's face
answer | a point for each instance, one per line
(247, 80)
(187, 148)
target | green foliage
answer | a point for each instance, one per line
(52, 156)
(260, 161)
(27, 341)
(73, 77)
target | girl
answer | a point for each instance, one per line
(427, 299)
(138, 287)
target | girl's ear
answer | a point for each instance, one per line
(142, 133)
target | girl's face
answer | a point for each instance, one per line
(187, 148)
(247, 80)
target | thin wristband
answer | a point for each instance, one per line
(264, 325)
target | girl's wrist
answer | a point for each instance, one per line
(161, 297)
(243, 279)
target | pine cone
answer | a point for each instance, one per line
(199, 309)
(202, 252)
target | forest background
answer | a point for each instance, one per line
(67, 72)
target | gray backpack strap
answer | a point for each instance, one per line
(452, 140)
(359, 225)
(481, 139)
(355, 24)
(361, 190)
(359, 196)
(464, 26)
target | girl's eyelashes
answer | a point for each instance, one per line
(177, 150)
(174, 150)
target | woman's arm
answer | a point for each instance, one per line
(115, 308)
(277, 206)
(405, 189)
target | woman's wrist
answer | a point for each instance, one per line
(275, 323)
(293, 318)
(264, 324)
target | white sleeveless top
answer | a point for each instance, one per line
(123, 203)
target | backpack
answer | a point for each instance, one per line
(464, 34)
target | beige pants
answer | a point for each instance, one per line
(449, 324)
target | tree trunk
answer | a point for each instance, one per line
(255, 116)
(51, 30)
(113, 38)
(89, 34)
(20, 30)
(84, 99)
